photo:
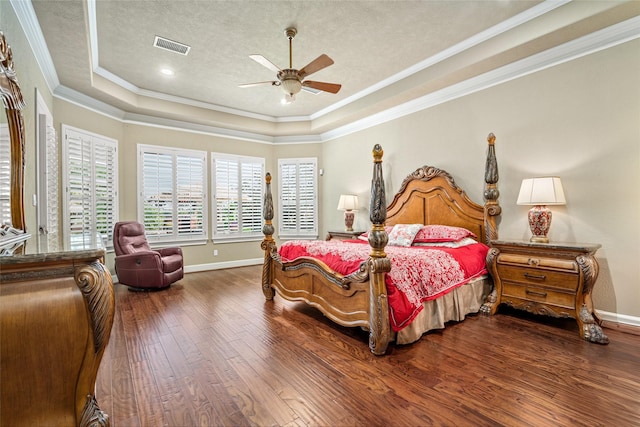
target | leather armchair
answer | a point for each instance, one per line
(139, 267)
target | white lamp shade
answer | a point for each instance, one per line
(348, 202)
(541, 191)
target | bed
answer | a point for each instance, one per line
(428, 198)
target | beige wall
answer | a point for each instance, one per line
(579, 120)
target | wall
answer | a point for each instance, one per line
(579, 120)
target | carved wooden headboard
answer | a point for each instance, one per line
(430, 196)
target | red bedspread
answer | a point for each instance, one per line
(417, 273)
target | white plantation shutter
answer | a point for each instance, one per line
(50, 187)
(298, 189)
(5, 174)
(90, 173)
(237, 202)
(172, 189)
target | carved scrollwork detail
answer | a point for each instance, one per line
(92, 415)
(591, 331)
(94, 281)
(589, 268)
(378, 204)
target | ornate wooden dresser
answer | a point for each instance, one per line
(56, 316)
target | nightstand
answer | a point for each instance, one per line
(553, 279)
(343, 235)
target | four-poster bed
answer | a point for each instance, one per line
(360, 297)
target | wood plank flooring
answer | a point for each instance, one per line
(210, 351)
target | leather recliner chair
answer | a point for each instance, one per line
(140, 267)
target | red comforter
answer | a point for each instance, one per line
(417, 274)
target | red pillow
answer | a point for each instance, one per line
(442, 233)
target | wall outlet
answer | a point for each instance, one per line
(215, 252)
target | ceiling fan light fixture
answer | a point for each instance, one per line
(290, 82)
(288, 99)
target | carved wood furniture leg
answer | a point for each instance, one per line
(492, 301)
(96, 285)
(379, 264)
(268, 244)
(588, 320)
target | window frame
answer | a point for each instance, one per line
(175, 236)
(238, 236)
(298, 233)
(72, 239)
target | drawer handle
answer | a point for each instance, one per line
(535, 276)
(538, 294)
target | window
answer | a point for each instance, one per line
(90, 175)
(172, 188)
(298, 189)
(238, 184)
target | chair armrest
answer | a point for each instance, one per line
(142, 259)
(170, 251)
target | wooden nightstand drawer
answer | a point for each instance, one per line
(538, 294)
(534, 261)
(539, 277)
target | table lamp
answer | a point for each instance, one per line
(540, 192)
(348, 203)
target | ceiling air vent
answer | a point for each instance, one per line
(167, 44)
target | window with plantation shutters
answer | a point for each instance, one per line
(238, 183)
(5, 174)
(172, 186)
(298, 189)
(90, 180)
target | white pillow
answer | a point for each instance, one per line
(403, 234)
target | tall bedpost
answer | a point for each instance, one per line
(492, 209)
(379, 264)
(268, 244)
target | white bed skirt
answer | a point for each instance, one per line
(453, 306)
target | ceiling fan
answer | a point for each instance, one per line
(292, 80)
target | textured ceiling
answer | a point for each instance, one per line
(369, 41)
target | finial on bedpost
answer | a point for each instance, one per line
(268, 245)
(267, 228)
(378, 209)
(379, 264)
(492, 208)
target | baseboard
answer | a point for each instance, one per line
(214, 266)
(223, 265)
(622, 322)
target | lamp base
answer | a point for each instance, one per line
(539, 239)
(348, 220)
(539, 223)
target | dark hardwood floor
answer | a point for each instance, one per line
(211, 351)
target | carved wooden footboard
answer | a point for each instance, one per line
(360, 299)
(343, 299)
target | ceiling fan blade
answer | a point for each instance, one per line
(326, 87)
(311, 90)
(264, 61)
(317, 64)
(271, 83)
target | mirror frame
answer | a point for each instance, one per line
(13, 103)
